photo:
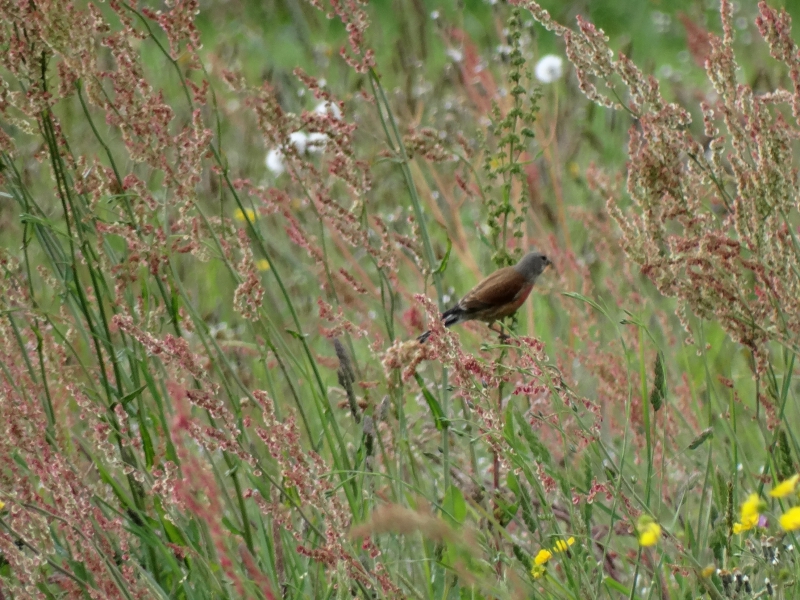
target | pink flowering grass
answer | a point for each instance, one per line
(210, 384)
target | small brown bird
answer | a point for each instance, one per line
(497, 296)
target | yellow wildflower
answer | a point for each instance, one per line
(784, 488)
(751, 510)
(248, 214)
(649, 531)
(790, 520)
(2, 505)
(544, 555)
(562, 546)
(751, 507)
(708, 571)
(262, 264)
(574, 169)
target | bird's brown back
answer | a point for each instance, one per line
(504, 287)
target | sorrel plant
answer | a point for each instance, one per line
(210, 382)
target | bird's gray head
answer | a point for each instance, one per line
(531, 265)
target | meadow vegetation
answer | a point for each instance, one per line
(224, 225)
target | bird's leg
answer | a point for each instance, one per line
(501, 332)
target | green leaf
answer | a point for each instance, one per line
(504, 510)
(147, 443)
(106, 477)
(144, 369)
(454, 508)
(439, 419)
(508, 425)
(231, 526)
(513, 483)
(617, 586)
(174, 535)
(528, 516)
(583, 298)
(537, 448)
(443, 263)
(128, 397)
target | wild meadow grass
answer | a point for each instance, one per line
(216, 264)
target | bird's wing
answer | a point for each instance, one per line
(501, 287)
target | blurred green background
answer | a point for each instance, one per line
(591, 312)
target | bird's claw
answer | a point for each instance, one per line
(501, 334)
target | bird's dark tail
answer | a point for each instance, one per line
(449, 317)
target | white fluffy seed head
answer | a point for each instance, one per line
(550, 68)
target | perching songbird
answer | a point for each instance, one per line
(497, 296)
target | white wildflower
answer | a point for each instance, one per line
(298, 139)
(304, 144)
(317, 142)
(549, 68)
(328, 108)
(275, 162)
(455, 55)
(504, 50)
